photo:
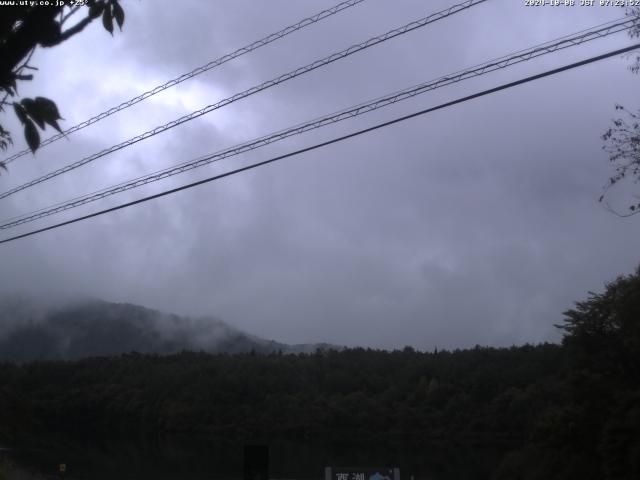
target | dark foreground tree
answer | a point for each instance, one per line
(603, 338)
(23, 28)
(604, 330)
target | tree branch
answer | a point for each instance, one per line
(38, 27)
(77, 28)
(71, 12)
(610, 209)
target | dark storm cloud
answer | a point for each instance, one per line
(477, 224)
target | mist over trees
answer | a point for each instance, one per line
(90, 328)
(568, 411)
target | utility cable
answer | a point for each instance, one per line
(332, 141)
(579, 38)
(197, 71)
(258, 88)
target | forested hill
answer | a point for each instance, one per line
(569, 411)
(531, 404)
(483, 394)
(96, 328)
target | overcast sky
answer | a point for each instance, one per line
(478, 224)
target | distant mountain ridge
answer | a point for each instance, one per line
(93, 328)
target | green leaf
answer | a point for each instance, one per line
(32, 136)
(48, 111)
(118, 14)
(13, 89)
(28, 104)
(95, 9)
(48, 108)
(107, 19)
(21, 113)
(34, 112)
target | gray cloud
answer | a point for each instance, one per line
(476, 224)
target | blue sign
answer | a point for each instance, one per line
(365, 473)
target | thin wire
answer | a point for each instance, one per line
(481, 69)
(280, 79)
(197, 71)
(332, 141)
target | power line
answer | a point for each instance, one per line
(583, 36)
(197, 71)
(579, 38)
(332, 141)
(258, 88)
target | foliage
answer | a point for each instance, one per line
(623, 138)
(602, 338)
(5, 468)
(623, 147)
(24, 27)
(634, 12)
(604, 330)
(481, 396)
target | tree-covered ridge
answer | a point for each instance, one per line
(92, 328)
(553, 411)
(402, 392)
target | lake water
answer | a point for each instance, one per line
(199, 458)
